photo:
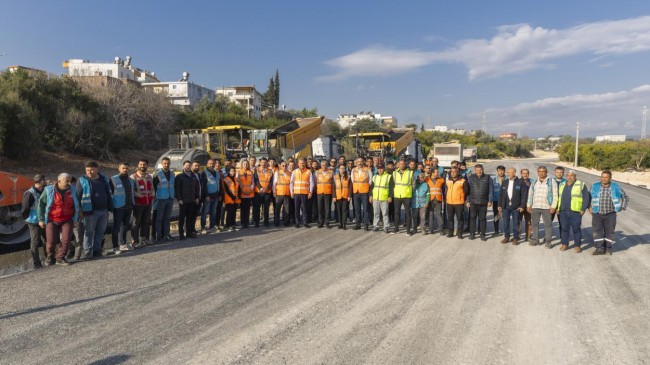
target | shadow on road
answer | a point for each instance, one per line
(48, 307)
(112, 360)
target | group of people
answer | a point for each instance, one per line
(73, 213)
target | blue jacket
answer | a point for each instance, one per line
(119, 192)
(420, 195)
(617, 197)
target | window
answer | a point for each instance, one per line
(109, 73)
(174, 87)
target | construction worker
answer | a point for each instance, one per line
(390, 168)
(230, 197)
(402, 193)
(291, 166)
(220, 209)
(196, 178)
(123, 191)
(210, 189)
(457, 192)
(382, 195)
(282, 195)
(435, 166)
(163, 184)
(301, 187)
(187, 197)
(607, 199)
(324, 191)
(342, 195)
(497, 181)
(29, 212)
(525, 216)
(574, 200)
(360, 188)
(58, 208)
(94, 195)
(542, 201)
(144, 196)
(436, 193)
(247, 191)
(513, 202)
(558, 179)
(420, 204)
(263, 178)
(480, 199)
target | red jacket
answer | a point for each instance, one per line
(62, 209)
(144, 192)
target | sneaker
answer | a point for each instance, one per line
(49, 261)
(129, 247)
(169, 238)
(231, 229)
(62, 262)
(124, 248)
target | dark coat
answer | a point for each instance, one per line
(185, 188)
(480, 189)
(519, 194)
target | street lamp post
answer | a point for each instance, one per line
(575, 160)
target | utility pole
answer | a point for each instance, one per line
(575, 160)
(645, 122)
(484, 123)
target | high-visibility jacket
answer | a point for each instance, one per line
(435, 188)
(301, 181)
(617, 197)
(165, 188)
(233, 186)
(324, 182)
(144, 186)
(381, 187)
(86, 192)
(576, 196)
(455, 192)
(119, 194)
(342, 187)
(403, 184)
(33, 210)
(360, 180)
(264, 177)
(282, 184)
(245, 180)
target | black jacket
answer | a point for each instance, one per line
(480, 189)
(186, 189)
(519, 194)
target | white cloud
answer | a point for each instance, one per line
(514, 49)
(612, 112)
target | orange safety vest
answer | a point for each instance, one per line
(265, 179)
(324, 182)
(455, 192)
(246, 183)
(361, 181)
(342, 187)
(234, 187)
(435, 188)
(282, 185)
(301, 181)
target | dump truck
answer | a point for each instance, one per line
(470, 154)
(225, 142)
(326, 148)
(448, 152)
(293, 139)
(388, 145)
(414, 150)
(13, 229)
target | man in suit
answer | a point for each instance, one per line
(512, 203)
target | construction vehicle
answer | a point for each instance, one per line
(326, 148)
(414, 150)
(448, 152)
(13, 229)
(225, 142)
(470, 154)
(290, 140)
(388, 145)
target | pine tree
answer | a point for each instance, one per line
(422, 128)
(276, 89)
(269, 95)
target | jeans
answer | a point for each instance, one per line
(361, 204)
(281, 210)
(324, 208)
(545, 214)
(209, 207)
(142, 215)
(435, 215)
(300, 207)
(261, 201)
(163, 216)
(495, 212)
(380, 209)
(121, 220)
(58, 233)
(571, 222)
(604, 227)
(511, 222)
(526, 218)
(399, 202)
(480, 211)
(95, 225)
(455, 211)
(421, 215)
(37, 235)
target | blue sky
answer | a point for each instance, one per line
(536, 67)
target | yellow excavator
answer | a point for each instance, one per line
(290, 140)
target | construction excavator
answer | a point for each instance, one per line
(13, 229)
(289, 140)
(387, 145)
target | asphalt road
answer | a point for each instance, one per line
(303, 296)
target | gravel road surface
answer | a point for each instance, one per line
(317, 296)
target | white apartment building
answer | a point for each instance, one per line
(119, 69)
(183, 93)
(348, 120)
(611, 138)
(246, 96)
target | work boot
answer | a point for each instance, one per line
(564, 247)
(577, 249)
(598, 252)
(505, 240)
